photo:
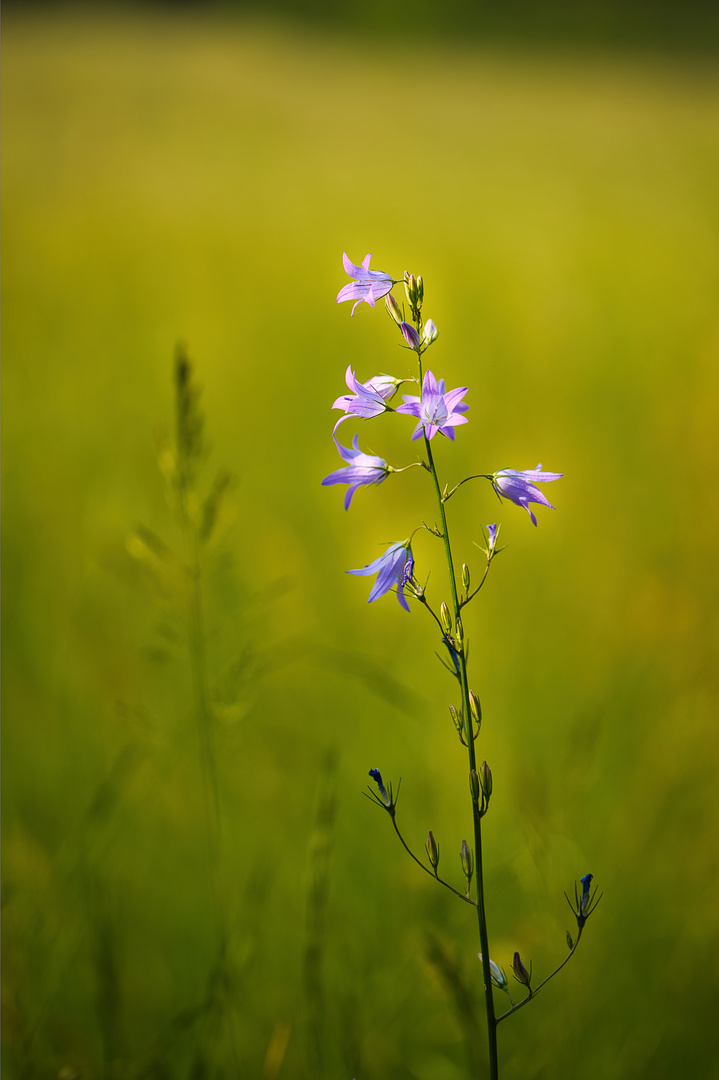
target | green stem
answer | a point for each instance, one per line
(476, 815)
(198, 670)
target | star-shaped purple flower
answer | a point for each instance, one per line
(518, 486)
(360, 469)
(368, 399)
(369, 285)
(437, 409)
(390, 571)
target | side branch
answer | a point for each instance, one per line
(535, 990)
(432, 873)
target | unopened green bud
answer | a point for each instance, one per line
(475, 708)
(420, 288)
(474, 785)
(432, 851)
(459, 635)
(393, 308)
(467, 861)
(445, 618)
(410, 287)
(457, 720)
(485, 779)
(465, 576)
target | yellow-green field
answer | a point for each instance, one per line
(175, 180)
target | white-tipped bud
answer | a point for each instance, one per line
(499, 979)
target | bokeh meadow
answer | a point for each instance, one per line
(193, 179)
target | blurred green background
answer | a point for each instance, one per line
(184, 176)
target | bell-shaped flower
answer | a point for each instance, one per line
(437, 409)
(367, 399)
(368, 285)
(519, 486)
(361, 469)
(390, 570)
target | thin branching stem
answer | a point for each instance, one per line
(535, 989)
(432, 873)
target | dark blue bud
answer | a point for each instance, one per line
(377, 777)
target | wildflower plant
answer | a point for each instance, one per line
(438, 411)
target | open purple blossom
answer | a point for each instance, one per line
(367, 399)
(360, 469)
(519, 486)
(368, 285)
(437, 409)
(390, 571)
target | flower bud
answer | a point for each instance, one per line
(410, 287)
(485, 779)
(467, 861)
(377, 777)
(432, 850)
(492, 533)
(584, 902)
(520, 972)
(456, 719)
(474, 785)
(429, 333)
(445, 618)
(420, 289)
(475, 708)
(459, 635)
(393, 308)
(465, 576)
(498, 977)
(410, 335)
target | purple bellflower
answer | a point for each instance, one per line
(368, 399)
(437, 409)
(360, 469)
(390, 569)
(519, 486)
(368, 285)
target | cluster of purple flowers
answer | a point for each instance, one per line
(436, 410)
